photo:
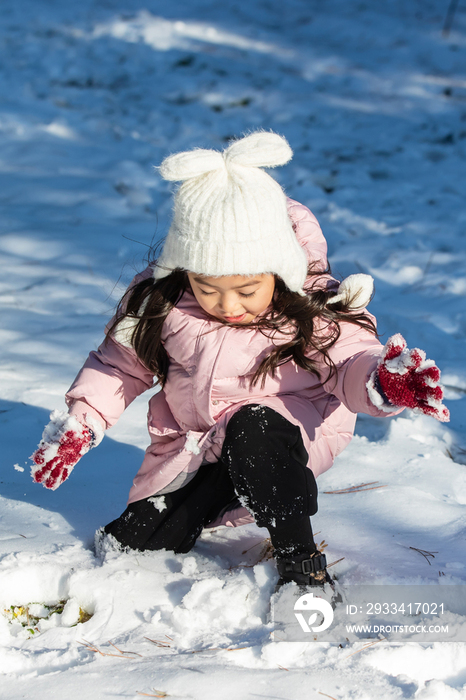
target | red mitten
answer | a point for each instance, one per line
(405, 378)
(64, 441)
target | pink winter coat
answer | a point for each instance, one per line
(209, 380)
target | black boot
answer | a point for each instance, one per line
(304, 569)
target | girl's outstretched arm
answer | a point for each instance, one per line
(383, 380)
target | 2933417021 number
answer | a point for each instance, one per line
(404, 609)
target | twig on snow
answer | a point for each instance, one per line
(267, 539)
(425, 554)
(165, 645)
(198, 651)
(359, 487)
(124, 652)
(459, 451)
(158, 694)
(274, 636)
(120, 655)
(160, 643)
(384, 639)
(327, 696)
(267, 553)
(335, 562)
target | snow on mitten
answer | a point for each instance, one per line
(405, 378)
(64, 441)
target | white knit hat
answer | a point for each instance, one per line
(230, 217)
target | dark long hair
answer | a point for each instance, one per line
(311, 325)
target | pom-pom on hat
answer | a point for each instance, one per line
(230, 217)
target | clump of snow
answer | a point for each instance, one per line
(216, 610)
(159, 502)
(71, 613)
(191, 444)
(189, 566)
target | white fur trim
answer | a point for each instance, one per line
(96, 428)
(123, 333)
(355, 291)
(375, 397)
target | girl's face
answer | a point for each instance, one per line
(235, 298)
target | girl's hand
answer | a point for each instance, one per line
(64, 441)
(405, 378)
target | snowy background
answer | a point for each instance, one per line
(372, 98)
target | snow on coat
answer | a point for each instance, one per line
(211, 365)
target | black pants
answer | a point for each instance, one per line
(263, 463)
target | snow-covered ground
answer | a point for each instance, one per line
(372, 99)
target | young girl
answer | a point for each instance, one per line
(262, 359)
